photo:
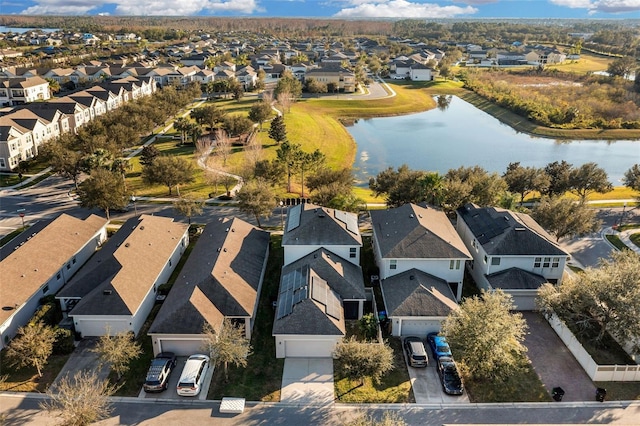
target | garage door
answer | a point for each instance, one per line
(98, 327)
(419, 327)
(309, 348)
(524, 303)
(181, 347)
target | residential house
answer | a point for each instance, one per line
(343, 79)
(416, 302)
(510, 251)
(117, 288)
(418, 237)
(221, 279)
(23, 90)
(420, 72)
(317, 293)
(39, 262)
(310, 227)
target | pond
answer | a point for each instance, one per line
(462, 135)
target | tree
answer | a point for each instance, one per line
(327, 184)
(103, 189)
(260, 112)
(237, 125)
(148, 154)
(587, 179)
(309, 161)
(400, 186)
(80, 400)
(117, 351)
(314, 86)
(236, 89)
(188, 207)
(62, 158)
(559, 178)
(631, 177)
(270, 171)
(256, 198)
(288, 84)
(600, 300)
(223, 146)
(486, 188)
(288, 154)
(278, 130)
(182, 125)
(524, 180)
(433, 186)
(168, 170)
(121, 166)
(285, 99)
(456, 194)
(563, 217)
(486, 337)
(622, 67)
(32, 347)
(209, 115)
(227, 344)
(358, 360)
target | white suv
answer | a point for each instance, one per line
(193, 374)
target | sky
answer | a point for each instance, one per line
(346, 9)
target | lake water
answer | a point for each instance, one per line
(16, 30)
(462, 135)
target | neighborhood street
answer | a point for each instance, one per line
(23, 410)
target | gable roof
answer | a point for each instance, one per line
(414, 293)
(24, 270)
(132, 265)
(415, 232)
(309, 224)
(503, 232)
(516, 279)
(220, 279)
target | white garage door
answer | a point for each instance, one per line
(419, 327)
(524, 303)
(181, 347)
(87, 327)
(309, 348)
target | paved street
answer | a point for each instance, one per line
(24, 410)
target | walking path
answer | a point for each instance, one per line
(624, 237)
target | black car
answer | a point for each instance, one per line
(449, 376)
(158, 375)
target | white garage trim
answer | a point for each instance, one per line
(181, 347)
(414, 326)
(98, 326)
(306, 347)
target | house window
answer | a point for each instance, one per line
(3, 164)
(170, 264)
(546, 262)
(485, 258)
(555, 262)
(495, 260)
(452, 264)
(45, 289)
(58, 276)
(536, 262)
(458, 264)
(393, 264)
(74, 260)
(352, 252)
(68, 266)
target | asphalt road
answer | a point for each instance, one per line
(22, 410)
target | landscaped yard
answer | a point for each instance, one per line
(620, 391)
(26, 379)
(523, 387)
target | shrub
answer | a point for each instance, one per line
(368, 326)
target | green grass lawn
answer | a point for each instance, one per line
(26, 379)
(261, 379)
(635, 239)
(617, 242)
(620, 391)
(628, 226)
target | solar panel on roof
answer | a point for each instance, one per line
(293, 289)
(340, 215)
(319, 291)
(352, 223)
(293, 218)
(334, 306)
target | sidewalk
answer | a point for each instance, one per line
(624, 237)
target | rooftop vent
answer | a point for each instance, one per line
(127, 245)
(411, 216)
(412, 277)
(142, 228)
(106, 292)
(520, 228)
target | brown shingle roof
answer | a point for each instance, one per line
(414, 293)
(319, 226)
(27, 268)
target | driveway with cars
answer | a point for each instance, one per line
(171, 392)
(427, 388)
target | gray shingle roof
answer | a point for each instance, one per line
(220, 279)
(414, 293)
(415, 232)
(319, 226)
(516, 279)
(503, 232)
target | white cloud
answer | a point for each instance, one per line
(606, 6)
(143, 7)
(402, 9)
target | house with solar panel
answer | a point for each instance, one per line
(510, 251)
(221, 279)
(321, 284)
(421, 260)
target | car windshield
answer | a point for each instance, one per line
(185, 385)
(419, 357)
(443, 348)
(153, 382)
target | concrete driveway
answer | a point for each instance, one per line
(307, 380)
(171, 392)
(83, 359)
(553, 362)
(427, 388)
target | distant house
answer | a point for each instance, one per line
(221, 279)
(310, 227)
(23, 90)
(510, 251)
(343, 79)
(39, 262)
(317, 293)
(117, 288)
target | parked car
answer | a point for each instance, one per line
(449, 376)
(416, 354)
(193, 374)
(159, 371)
(439, 346)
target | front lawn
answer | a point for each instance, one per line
(26, 379)
(261, 379)
(620, 391)
(395, 386)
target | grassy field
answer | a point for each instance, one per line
(587, 63)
